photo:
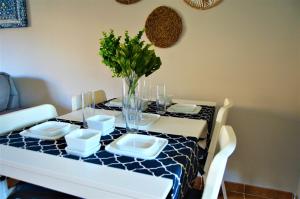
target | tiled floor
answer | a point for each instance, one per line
(242, 191)
(233, 195)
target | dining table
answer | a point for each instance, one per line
(108, 175)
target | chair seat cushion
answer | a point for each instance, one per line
(5, 92)
(29, 191)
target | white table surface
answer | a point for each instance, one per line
(170, 125)
(89, 180)
(79, 178)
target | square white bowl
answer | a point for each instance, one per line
(83, 139)
(137, 143)
(104, 123)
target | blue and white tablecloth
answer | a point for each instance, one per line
(178, 161)
(206, 112)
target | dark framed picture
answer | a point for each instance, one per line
(13, 14)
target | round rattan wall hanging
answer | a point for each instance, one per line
(203, 4)
(127, 1)
(163, 26)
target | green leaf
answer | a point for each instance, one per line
(131, 56)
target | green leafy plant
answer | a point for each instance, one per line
(131, 58)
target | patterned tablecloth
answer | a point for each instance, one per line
(178, 161)
(206, 112)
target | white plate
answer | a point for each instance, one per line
(184, 108)
(49, 135)
(118, 103)
(147, 119)
(83, 153)
(115, 103)
(138, 146)
(50, 128)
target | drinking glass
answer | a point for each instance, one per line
(161, 99)
(86, 106)
(93, 100)
(145, 93)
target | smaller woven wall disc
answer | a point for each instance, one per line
(203, 4)
(163, 26)
(127, 1)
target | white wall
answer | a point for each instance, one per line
(246, 50)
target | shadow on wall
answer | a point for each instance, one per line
(267, 151)
(34, 92)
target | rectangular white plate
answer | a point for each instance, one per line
(118, 103)
(184, 108)
(50, 128)
(115, 103)
(43, 131)
(138, 146)
(147, 119)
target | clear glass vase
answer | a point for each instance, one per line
(131, 103)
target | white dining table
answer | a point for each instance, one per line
(89, 180)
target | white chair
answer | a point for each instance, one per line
(26, 117)
(226, 146)
(221, 120)
(99, 96)
(19, 119)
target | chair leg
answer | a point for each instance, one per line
(4, 190)
(224, 190)
(3, 187)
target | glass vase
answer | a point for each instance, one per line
(131, 103)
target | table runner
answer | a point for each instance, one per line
(178, 161)
(206, 112)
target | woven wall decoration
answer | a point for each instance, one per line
(127, 1)
(203, 4)
(163, 26)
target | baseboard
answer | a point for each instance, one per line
(258, 191)
(234, 187)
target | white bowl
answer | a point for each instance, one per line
(104, 123)
(143, 144)
(83, 139)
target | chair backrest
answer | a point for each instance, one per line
(9, 96)
(221, 120)
(26, 117)
(99, 96)
(227, 144)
